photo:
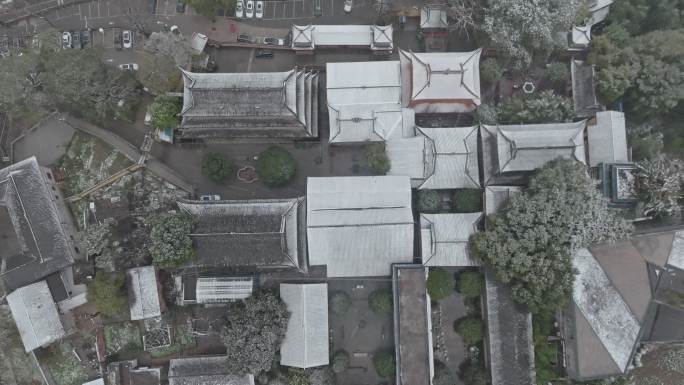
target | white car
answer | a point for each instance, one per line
(66, 40)
(259, 9)
(128, 67)
(127, 38)
(348, 5)
(210, 197)
(239, 9)
(249, 12)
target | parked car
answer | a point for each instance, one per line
(210, 197)
(259, 9)
(128, 67)
(246, 39)
(180, 6)
(264, 54)
(76, 40)
(127, 38)
(85, 38)
(66, 40)
(348, 5)
(117, 40)
(239, 9)
(274, 41)
(249, 12)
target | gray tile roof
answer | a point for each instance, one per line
(607, 139)
(444, 238)
(509, 337)
(606, 312)
(36, 316)
(584, 89)
(128, 373)
(271, 104)
(437, 158)
(143, 293)
(412, 325)
(528, 147)
(359, 226)
(205, 370)
(249, 233)
(364, 36)
(676, 256)
(306, 342)
(35, 240)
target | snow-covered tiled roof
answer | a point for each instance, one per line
(607, 139)
(359, 226)
(306, 342)
(444, 238)
(204, 370)
(344, 35)
(676, 257)
(143, 293)
(35, 313)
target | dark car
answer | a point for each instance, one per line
(246, 39)
(273, 41)
(117, 40)
(76, 40)
(180, 6)
(264, 54)
(85, 38)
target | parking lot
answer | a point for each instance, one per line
(304, 9)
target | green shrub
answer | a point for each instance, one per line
(558, 75)
(108, 293)
(486, 113)
(171, 243)
(340, 361)
(384, 364)
(339, 302)
(470, 329)
(439, 284)
(470, 284)
(467, 201)
(217, 167)
(296, 376)
(381, 301)
(490, 71)
(376, 158)
(164, 111)
(276, 167)
(429, 201)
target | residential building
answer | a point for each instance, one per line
(374, 37)
(412, 325)
(35, 313)
(359, 226)
(433, 18)
(306, 342)
(510, 153)
(128, 373)
(509, 343)
(445, 237)
(437, 158)
(624, 293)
(249, 234)
(243, 106)
(38, 235)
(440, 82)
(143, 293)
(204, 370)
(364, 102)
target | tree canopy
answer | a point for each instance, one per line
(276, 167)
(539, 107)
(376, 158)
(529, 243)
(384, 363)
(108, 293)
(171, 243)
(523, 30)
(658, 184)
(217, 167)
(429, 201)
(440, 284)
(380, 301)
(254, 331)
(164, 111)
(470, 329)
(470, 284)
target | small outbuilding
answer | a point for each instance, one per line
(204, 370)
(35, 313)
(143, 293)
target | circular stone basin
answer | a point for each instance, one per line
(247, 174)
